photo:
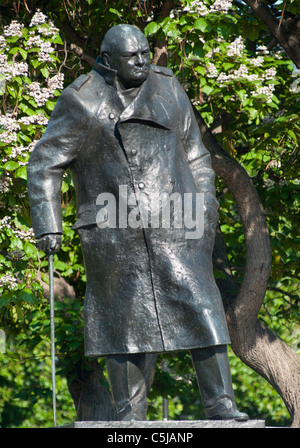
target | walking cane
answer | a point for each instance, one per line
(52, 325)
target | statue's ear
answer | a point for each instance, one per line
(106, 59)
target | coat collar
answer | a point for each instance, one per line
(151, 104)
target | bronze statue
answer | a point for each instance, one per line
(126, 131)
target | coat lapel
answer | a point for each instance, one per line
(151, 105)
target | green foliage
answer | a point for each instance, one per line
(221, 59)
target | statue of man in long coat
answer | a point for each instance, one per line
(127, 134)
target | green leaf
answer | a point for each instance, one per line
(21, 172)
(5, 299)
(30, 250)
(26, 295)
(202, 25)
(45, 72)
(207, 89)
(11, 165)
(151, 28)
(198, 50)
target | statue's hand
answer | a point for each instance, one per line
(50, 243)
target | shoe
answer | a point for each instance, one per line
(230, 414)
(225, 409)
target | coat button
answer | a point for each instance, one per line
(111, 116)
(141, 185)
(133, 152)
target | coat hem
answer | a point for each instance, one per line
(92, 354)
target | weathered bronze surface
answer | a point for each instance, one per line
(126, 130)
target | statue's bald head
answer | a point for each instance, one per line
(126, 50)
(118, 36)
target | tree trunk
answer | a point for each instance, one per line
(255, 344)
(289, 40)
(91, 398)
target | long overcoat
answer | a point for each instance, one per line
(150, 288)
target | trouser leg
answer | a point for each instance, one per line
(214, 379)
(127, 378)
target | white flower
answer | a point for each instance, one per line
(27, 235)
(265, 90)
(257, 62)
(38, 93)
(34, 41)
(34, 119)
(196, 7)
(221, 6)
(10, 127)
(270, 73)
(222, 78)
(42, 94)
(5, 185)
(236, 48)
(12, 69)
(49, 30)
(14, 29)
(46, 49)
(262, 49)
(38, 18)
(9, 281)
(212, 71)
(241, 72)
(3, 44)
(56, 82)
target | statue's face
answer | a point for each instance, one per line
(131, 60)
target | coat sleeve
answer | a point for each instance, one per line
(53, 154)
(198, 157)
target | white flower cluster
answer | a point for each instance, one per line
(270, 73)
(20, 151)
(212, 71)
(236, 47)
(5, 185)
(12, 125)
(25, 235)
(42, 94)
(14, 29)
(257, 62)
(241, 72)
(34, 119)
(38, 18)
(9, 135)
(201, 9)
(265, 90)
(10, 70)
(196, 7)
(8, 280)
(221, 6)
(34, 40)
(48, 31)
(3, 44)
(46, 50)
(45, 47)
(262, 49)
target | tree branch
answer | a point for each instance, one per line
(254, 343)
(160, 51)
(289, 41)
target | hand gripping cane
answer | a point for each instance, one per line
(52, 325)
